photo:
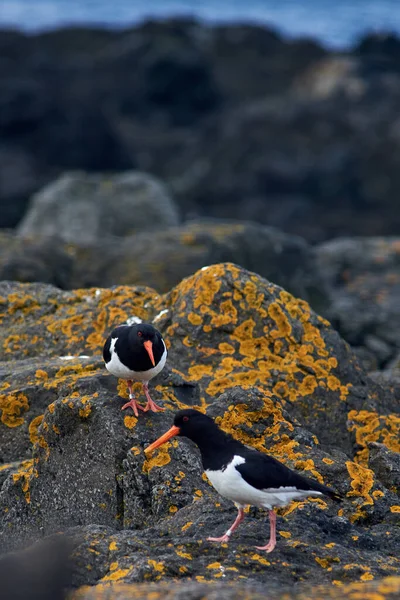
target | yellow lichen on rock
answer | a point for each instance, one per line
(24, 475)
(362, 481)
(371, 427)
(33, 429)
(12, 407)
(160, 458)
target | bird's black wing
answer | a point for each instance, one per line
(263, 472)
(118, 332)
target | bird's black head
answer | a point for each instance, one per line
(144, 335)
(192, 424)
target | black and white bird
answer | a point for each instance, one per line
(136, 353)
(242, 474)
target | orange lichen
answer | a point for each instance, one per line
(24, 475)
(40, 374)
(116, 574)
(157, 566)
(308, 465)
(194, 319)
(12, 407)
(160, 459)
(285, 534)
(179, 551)
(33, 429)
(371, 427)
(362, 480)
(130, 422)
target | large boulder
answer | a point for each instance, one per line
(263, 364)
(81, 207)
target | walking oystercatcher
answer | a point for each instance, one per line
(136, 352)
(242, 474)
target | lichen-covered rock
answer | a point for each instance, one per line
(80, 207)
(264, 365)
(41, 321)
(364, 279)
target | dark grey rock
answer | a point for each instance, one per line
(364, 288)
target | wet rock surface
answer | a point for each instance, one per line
(268, 369)
(236, 120)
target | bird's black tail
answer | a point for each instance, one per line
(327, 491)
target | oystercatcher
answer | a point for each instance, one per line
(242, 474)
(136, 352)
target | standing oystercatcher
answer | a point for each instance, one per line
(240, 473)
(136, 352)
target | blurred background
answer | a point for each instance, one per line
(142, 141)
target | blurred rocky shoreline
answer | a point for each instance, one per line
(236, 120)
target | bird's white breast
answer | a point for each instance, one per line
(117, 368)
(229, 483)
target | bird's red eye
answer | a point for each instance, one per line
(185, 419)
(140, 334)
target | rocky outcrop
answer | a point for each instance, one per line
(161, 259)
(363, 276)
(87, 208)
(238, 122)
(266, 367)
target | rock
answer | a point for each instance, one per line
(363, 276)
(264, 365)
(38, 258)
(385, 464)
(86, 208)
(164, 261)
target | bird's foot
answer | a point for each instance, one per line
(224, 539)
(134, 406)
(268, 548)
(152, 406)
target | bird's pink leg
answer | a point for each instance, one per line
(272, 536)
(227, 535)
(132, 401)
(150, 404)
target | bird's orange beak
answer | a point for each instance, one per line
(149, 347)
(164, 438)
